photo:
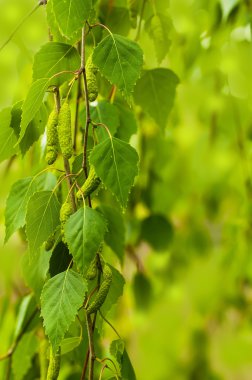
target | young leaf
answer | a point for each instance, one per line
(53, 58)
(115, 163)
(115, 236)
(7, 135)
(32, 103)
(128, 124)
(155, 93)
(84, 233)
(120, 60)
(42, 218)
(71, 15)
(61, 298)
(117, 349)
(22, 357)
(18, 198)
(115, 290)
(35, 269)
(107, 114)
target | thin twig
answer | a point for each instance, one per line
(110, 324)
(91, 347)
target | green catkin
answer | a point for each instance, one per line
(92, 270)
(52, 138)
(54, 366)
(65, 212)
(133, 11)
(102, 292)
(90, 185)
(91, 71)
(64, 131)
(50, 242)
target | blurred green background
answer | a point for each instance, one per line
(187, 314)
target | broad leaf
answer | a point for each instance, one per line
(117, 349)
(22, 357)
(115, 236)
(60, 259)
(42, 218)
(115, 290)
(159, 27)
(84, 233)
(128, 124)
(53, 58)
(61, 298)
(18, 198)
(35, 269)
(71, 14)
(32, 103)
(155, 93)
(7, 135)
(69, 344)
(107, 114)
(120, 61)
(116, 163)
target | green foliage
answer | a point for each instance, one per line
(120, 61)
(84, 233)
(61, 298)
(115, 163)
(42, 218)
(22, 357)
(7, 135)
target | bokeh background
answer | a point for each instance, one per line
(186, 313)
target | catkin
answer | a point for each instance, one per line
(133, 11)
(90, 185)
(50, 242)
(65, 212)
(91, 71)
(102, 292)
(52, 138)
(92, 270)
(54, 366)
(64, 131)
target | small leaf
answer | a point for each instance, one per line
(32, 103)
(107, 114)
(84, 233)
(71, 14)
(61, 298)
(117, 349)
(18, 198)
(69, 344)
(42, 218)
(128, 124)
(53, 58)
(120, 60)
(115, 236)
(155, 93)
(116, 163)
(22, 357)
(35, 269)
(7, 135)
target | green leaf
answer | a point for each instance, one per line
(116, 163)
(32, 103)
(71, 14)
(22, 357)
(35, 269)
(120, 61)
(42, 218)
(61, 298)
(18, 198)
(115, 290)
(107, 114)
(60, 259)
(69, 344)
(128, 124)
(159, 27)
(115, 236)
(53, 58)
(157, 231)
(25, 311)
(155, 93)
(117, 349)
(7, 135)
(84, 233)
